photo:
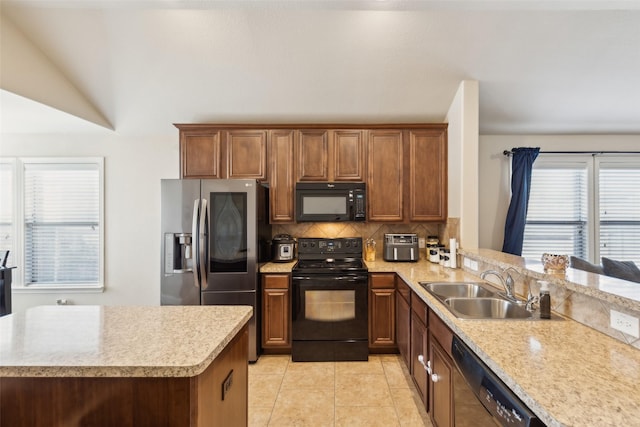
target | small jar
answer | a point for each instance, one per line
(442, 249)
(434, 253)
(446, 258)
(370, 250)
(432, 240)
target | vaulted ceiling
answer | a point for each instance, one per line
(139, 66)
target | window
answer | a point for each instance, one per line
(619, 209)
(59, 238)
(587, 206)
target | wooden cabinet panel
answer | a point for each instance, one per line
(428, 175)
(276, 311)
(441, 390)
(348, 156)
(382, 280)
(403, 322)
(382, 318)
(246, 154)
(441, 381)
(419, 349)
(200, 154)
(282, 176)
(214, 409)
(382, 312)
(385, 155)
(313, 155)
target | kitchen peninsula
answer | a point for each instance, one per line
(567, 373)
(124, 365)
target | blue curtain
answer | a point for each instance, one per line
(521, 165)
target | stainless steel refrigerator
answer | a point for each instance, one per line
(215, 236)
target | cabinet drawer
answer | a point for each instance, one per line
(441, 332)
(382, 280)
(419, 308)
(403, 290)
(275, 281)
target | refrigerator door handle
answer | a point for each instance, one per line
(202, 241)
(196, 243)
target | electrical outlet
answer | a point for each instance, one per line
(624, 323)
(421, 242)
(471, 264)
(226, 384)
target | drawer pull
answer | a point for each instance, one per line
(427, 367)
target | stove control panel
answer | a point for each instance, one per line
(346, 246)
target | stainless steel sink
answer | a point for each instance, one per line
(446, 290)
(478, 300)
(486, 308)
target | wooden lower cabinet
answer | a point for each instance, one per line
(276, 313)
(441, 379)
(382, 309)
(419, 347)
(403, 320)
(134, 401)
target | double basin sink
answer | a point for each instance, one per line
(475, 300)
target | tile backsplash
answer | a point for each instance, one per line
(369, 230)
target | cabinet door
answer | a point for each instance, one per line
(441, 390)
(200, 154)
(282, 176)
(348, 156)
(419, 346)
(428, 175)
(246, 154)
(382, 314)
(385, 173)
(276, 309)
(313, 155)
(403, 322)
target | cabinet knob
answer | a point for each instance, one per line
(435, 378)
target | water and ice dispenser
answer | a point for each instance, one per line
(177, 253)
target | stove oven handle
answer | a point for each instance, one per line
(329, 278)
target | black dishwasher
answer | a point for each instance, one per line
(481, 398)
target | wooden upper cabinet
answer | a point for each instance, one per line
(331, 155)
(214, 152)
(348, 158)
(385, 174)
(313, 155)
(428, 175)
(200, 153)
(246, 154)
(281, 176)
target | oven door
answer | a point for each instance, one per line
(328, 307)
(330, 320)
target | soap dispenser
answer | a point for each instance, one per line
(545, 300)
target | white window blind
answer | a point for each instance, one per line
(619, 210)
(62, 223)
(558, 213)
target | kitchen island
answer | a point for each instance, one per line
(124, 366)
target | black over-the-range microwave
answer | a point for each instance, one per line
(330, 201)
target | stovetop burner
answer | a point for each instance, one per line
(316, 255)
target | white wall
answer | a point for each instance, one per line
(463, 161)
(495, 186)
(133, 169)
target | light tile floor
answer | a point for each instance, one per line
(374, 393)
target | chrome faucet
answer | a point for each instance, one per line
(507, 282)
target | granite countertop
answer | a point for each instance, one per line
(567, 373)
(116, 341)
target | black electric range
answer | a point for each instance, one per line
(330, 301)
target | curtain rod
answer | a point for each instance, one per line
(594, 153)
